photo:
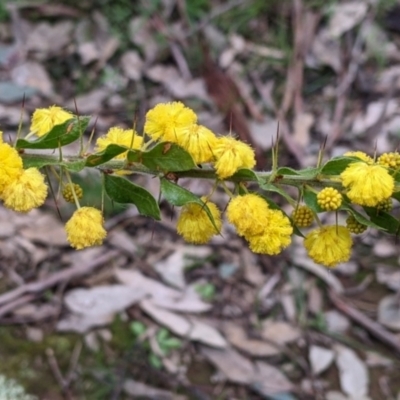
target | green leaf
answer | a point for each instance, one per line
(310, 172)
(59, 136)
(359, 217)
(40, 161)
(164, 157)
(111, 151)
(396, 196)
(310, 199)
(179, 196)
(383, 220)
(244, 174)
(337, 165)
(123, 191)
(270, 187)
(286, 171)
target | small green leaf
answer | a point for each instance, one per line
(164, 157)
(310, 198)
(179, 196)
(244, 174)
(40, 161)
(337, 165)
(269, 187)
(59, 136)
(359, 217)
(310, 172)
(383, 220)
(286, 171)
(111, 151)
(123, 191)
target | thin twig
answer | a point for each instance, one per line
(373, 327)
(58, 277)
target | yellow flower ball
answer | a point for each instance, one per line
(329, 199)
(354, 226)
(195, 226)
(329, 245)
(248, 214)
(367, 185)
(275, 237)
(232, 154)
(45, 119)
(302, 216)
(361, 155)
(68, 194)
(390, 160)
(26, 192)
(85, 228)
(167, 121)
(10, 165)
(123, 137)
(199, 142)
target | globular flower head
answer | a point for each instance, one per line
(199, 142)
(68, 192)
(302, 216)
(354, 226)
(361, 155)
(26, 192)
(123, 137)
(195, 226)
(248, 213)
(367, 185)
(329, 245)
(385, 205)
(167, 121)
(85, 228)
(329, 199)
(275, 237)
(44, 119)
(232, 154)
(390, 160)
(10, 165)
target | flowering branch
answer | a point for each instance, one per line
(174, 146)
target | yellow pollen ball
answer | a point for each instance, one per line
(248, 214)
(231, 155)
(195, 226)
(199, 142)
(361, 155)
(44, 119)
(168, 121)
(329, 199)
(329, 245)
(85, 228)
(123, 137)
(367, 185)
(10, 165)
(275, 237)
(26, 192)
(302, 216)
(390, 160)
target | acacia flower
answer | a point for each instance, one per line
(390, 160)
(302, 216)
(276, 234)
(248, 214)
(329, 245)
(367, 185)
(232, 154)
(167, 121)
(44, 119)
(361, 155)
(85, 228)
(199, 142)
(68, 192)
(354, 226)
(10, 165)
(26, 192)
(123, 137)
(195, 226)
(329, 199)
